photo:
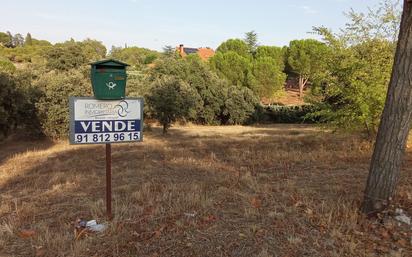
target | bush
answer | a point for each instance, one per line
(8, 106)
(170, 99)
(198, 76)
(17, 105)
(6, 66)
(53, 106)
(239, 105)
(29, 96)
(65, 56)
(289, 114)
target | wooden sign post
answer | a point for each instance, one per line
(107, 118)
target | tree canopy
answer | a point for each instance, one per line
(353, 82)
(237, 46)
(135, 56)
(251, 39)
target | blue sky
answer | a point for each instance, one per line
(155, 23)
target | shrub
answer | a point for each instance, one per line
(289, 114)
(198, 76)
(53, 106)
(6, 66)
(17, 100)
(8, 106)
(239, 105)
(65, 56)
(170, 99)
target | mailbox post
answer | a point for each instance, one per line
(109, 83)
(108, 117)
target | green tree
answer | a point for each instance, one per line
(306, 58)
(93, 50)
(350, 91)
(170, 99)
(251, 39)
(269, 77)
(17, 104)
(198, 75)
(52, 107)
(240, 104)
(29, 95)
(10, 43)
(18, 40)
(233, 67)
(356, 80)
(28, 41)
(65, 56)
(381, 22)
(209, 87)
(8, 107)
(395, 125)
(169, 51)
(135, 56)
(237, 46)
(4, 39)
(273, 52)
(42, 43)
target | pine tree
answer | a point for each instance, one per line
(251, 39)
(28, 40)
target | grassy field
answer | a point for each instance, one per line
(277, 190)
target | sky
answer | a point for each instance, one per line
(154, 24)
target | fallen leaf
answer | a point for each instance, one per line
(148, 210)
(209, 218)
(384, 234)
(309, 211)
(40, 252)
(403, 242)
(26, 233)
(256, 202)
(299, 204)
(159, 231)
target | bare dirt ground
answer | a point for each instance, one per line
(291, 97)
(281, 190)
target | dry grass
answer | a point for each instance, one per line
(201, 191)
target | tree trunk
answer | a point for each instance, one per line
(165, 126)
(395, 124)
(302, 84)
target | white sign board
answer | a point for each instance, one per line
(95, 121)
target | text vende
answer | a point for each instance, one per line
(107, 126)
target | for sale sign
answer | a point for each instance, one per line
(105, 121)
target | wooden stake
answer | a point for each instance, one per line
(109, 181)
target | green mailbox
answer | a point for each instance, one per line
(109, 79)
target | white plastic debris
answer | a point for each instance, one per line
(190, 215)
(97, 228)
(92, 226)
(91, 223)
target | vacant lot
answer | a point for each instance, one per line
(200, 191)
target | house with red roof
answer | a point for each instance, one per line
(204, 52)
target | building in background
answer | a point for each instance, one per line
(204, 52)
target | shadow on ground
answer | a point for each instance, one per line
(12, 146)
